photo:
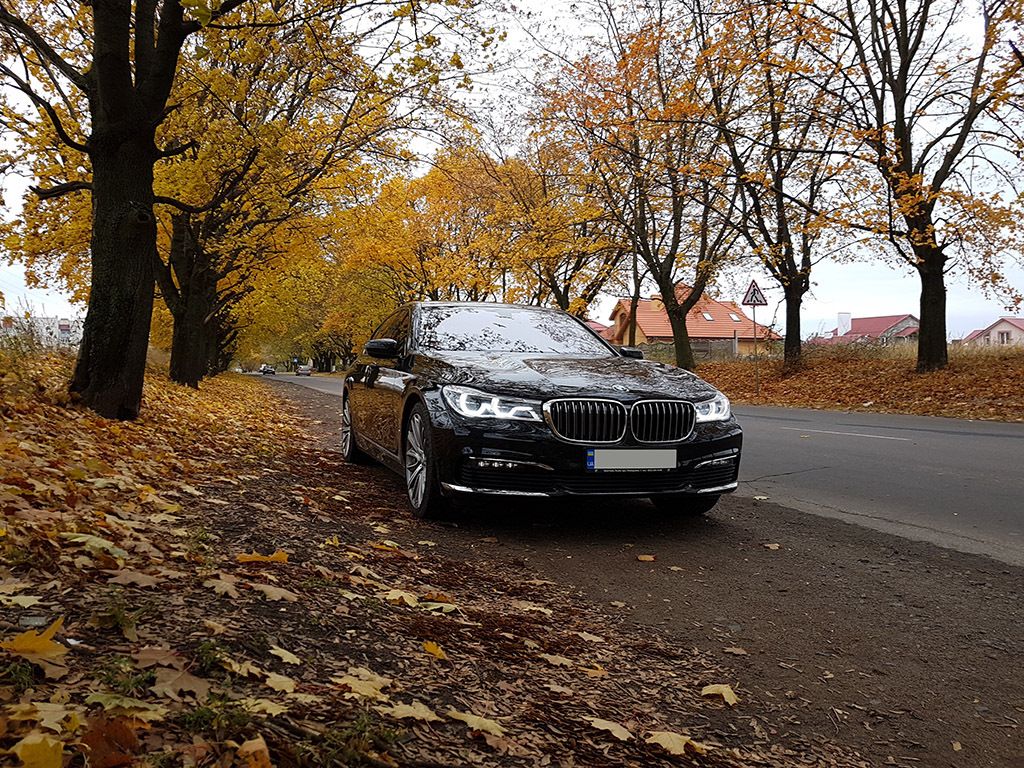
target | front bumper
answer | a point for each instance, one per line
(526, 459)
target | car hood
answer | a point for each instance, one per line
(541, 377)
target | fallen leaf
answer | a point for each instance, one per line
(477, 723)
(771, 546)
(275, 593)
(616, 730)
(735, 651)
(127, 576)
(255, 753)
(400, 596)
(111, 742)
(221, 587)
(676, 743)
(214, 628)
(558, 661)
(435, 650)
(33, 646)
(37, 750)
(21, 601)
(256, 557)
(171, 682)
(263, 706)
(280, 682)
(164, 657)
(124, 706)
(417, 710)
(95, 544)
(646, 558)
(957, 746)
(597, 672)
(286, 656)
(365, 689)
(720, 690)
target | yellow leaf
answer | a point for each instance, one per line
(400, 596)
(646, 558)
(676, 743)
(417, 709)
(477, 723)
(275, 593)
(435, 650)
(255, 753)
(263, 706)
(255, 557)
(32, 645)
(280, 682)
(286, 656)
(616, 730)
(364, 689)
(37, 750)
(720, 690)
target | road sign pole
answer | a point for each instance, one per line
(757, 374)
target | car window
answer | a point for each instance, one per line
(505, 329)
(384, 329)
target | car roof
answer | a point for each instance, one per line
(529, 307)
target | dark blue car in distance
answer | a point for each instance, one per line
(500, 399)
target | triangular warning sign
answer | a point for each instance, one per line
(754, 297)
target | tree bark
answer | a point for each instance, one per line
(792, 350)
(195, 303)
(932, 353)
(111, 363)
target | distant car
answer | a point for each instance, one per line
(268, 369)
(304, 370)
(476, 398)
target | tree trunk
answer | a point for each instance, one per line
(932, 353)
(681, 336)
(195, 304)
(794, 293)
(111, 363)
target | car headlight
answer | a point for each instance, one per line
(475, 404)
(715, 409)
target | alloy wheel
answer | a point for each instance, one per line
(415, 461)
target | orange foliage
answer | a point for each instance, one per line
(973, 386)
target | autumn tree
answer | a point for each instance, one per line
(930, 93)
(756, 65)
(120, 60)
(631, 107)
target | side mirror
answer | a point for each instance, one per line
(385, 348)
(636, 354)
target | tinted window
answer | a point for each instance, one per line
(505, 329)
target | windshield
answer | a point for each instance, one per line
(505, 329)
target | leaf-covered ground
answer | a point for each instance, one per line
(208, 586)
(973, 386)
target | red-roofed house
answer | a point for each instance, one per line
(1007, 331)
(884, 329)
(599, 328)
(708, 321)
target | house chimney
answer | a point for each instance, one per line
(657, 305)
(845, 323)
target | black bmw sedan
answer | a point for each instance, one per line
(478, 398)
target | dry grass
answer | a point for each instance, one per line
(977, 384)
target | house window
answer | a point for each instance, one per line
(1004, 337)
(707, 316)
(735, 317)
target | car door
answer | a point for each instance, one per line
(379, 386)
(363, 395)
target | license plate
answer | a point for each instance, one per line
(631, 458)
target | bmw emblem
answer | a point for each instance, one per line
(618, 388)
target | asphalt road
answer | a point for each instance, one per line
(951, 482)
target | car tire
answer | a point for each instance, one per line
(684, 504)
(349, 449)
(420, 462)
